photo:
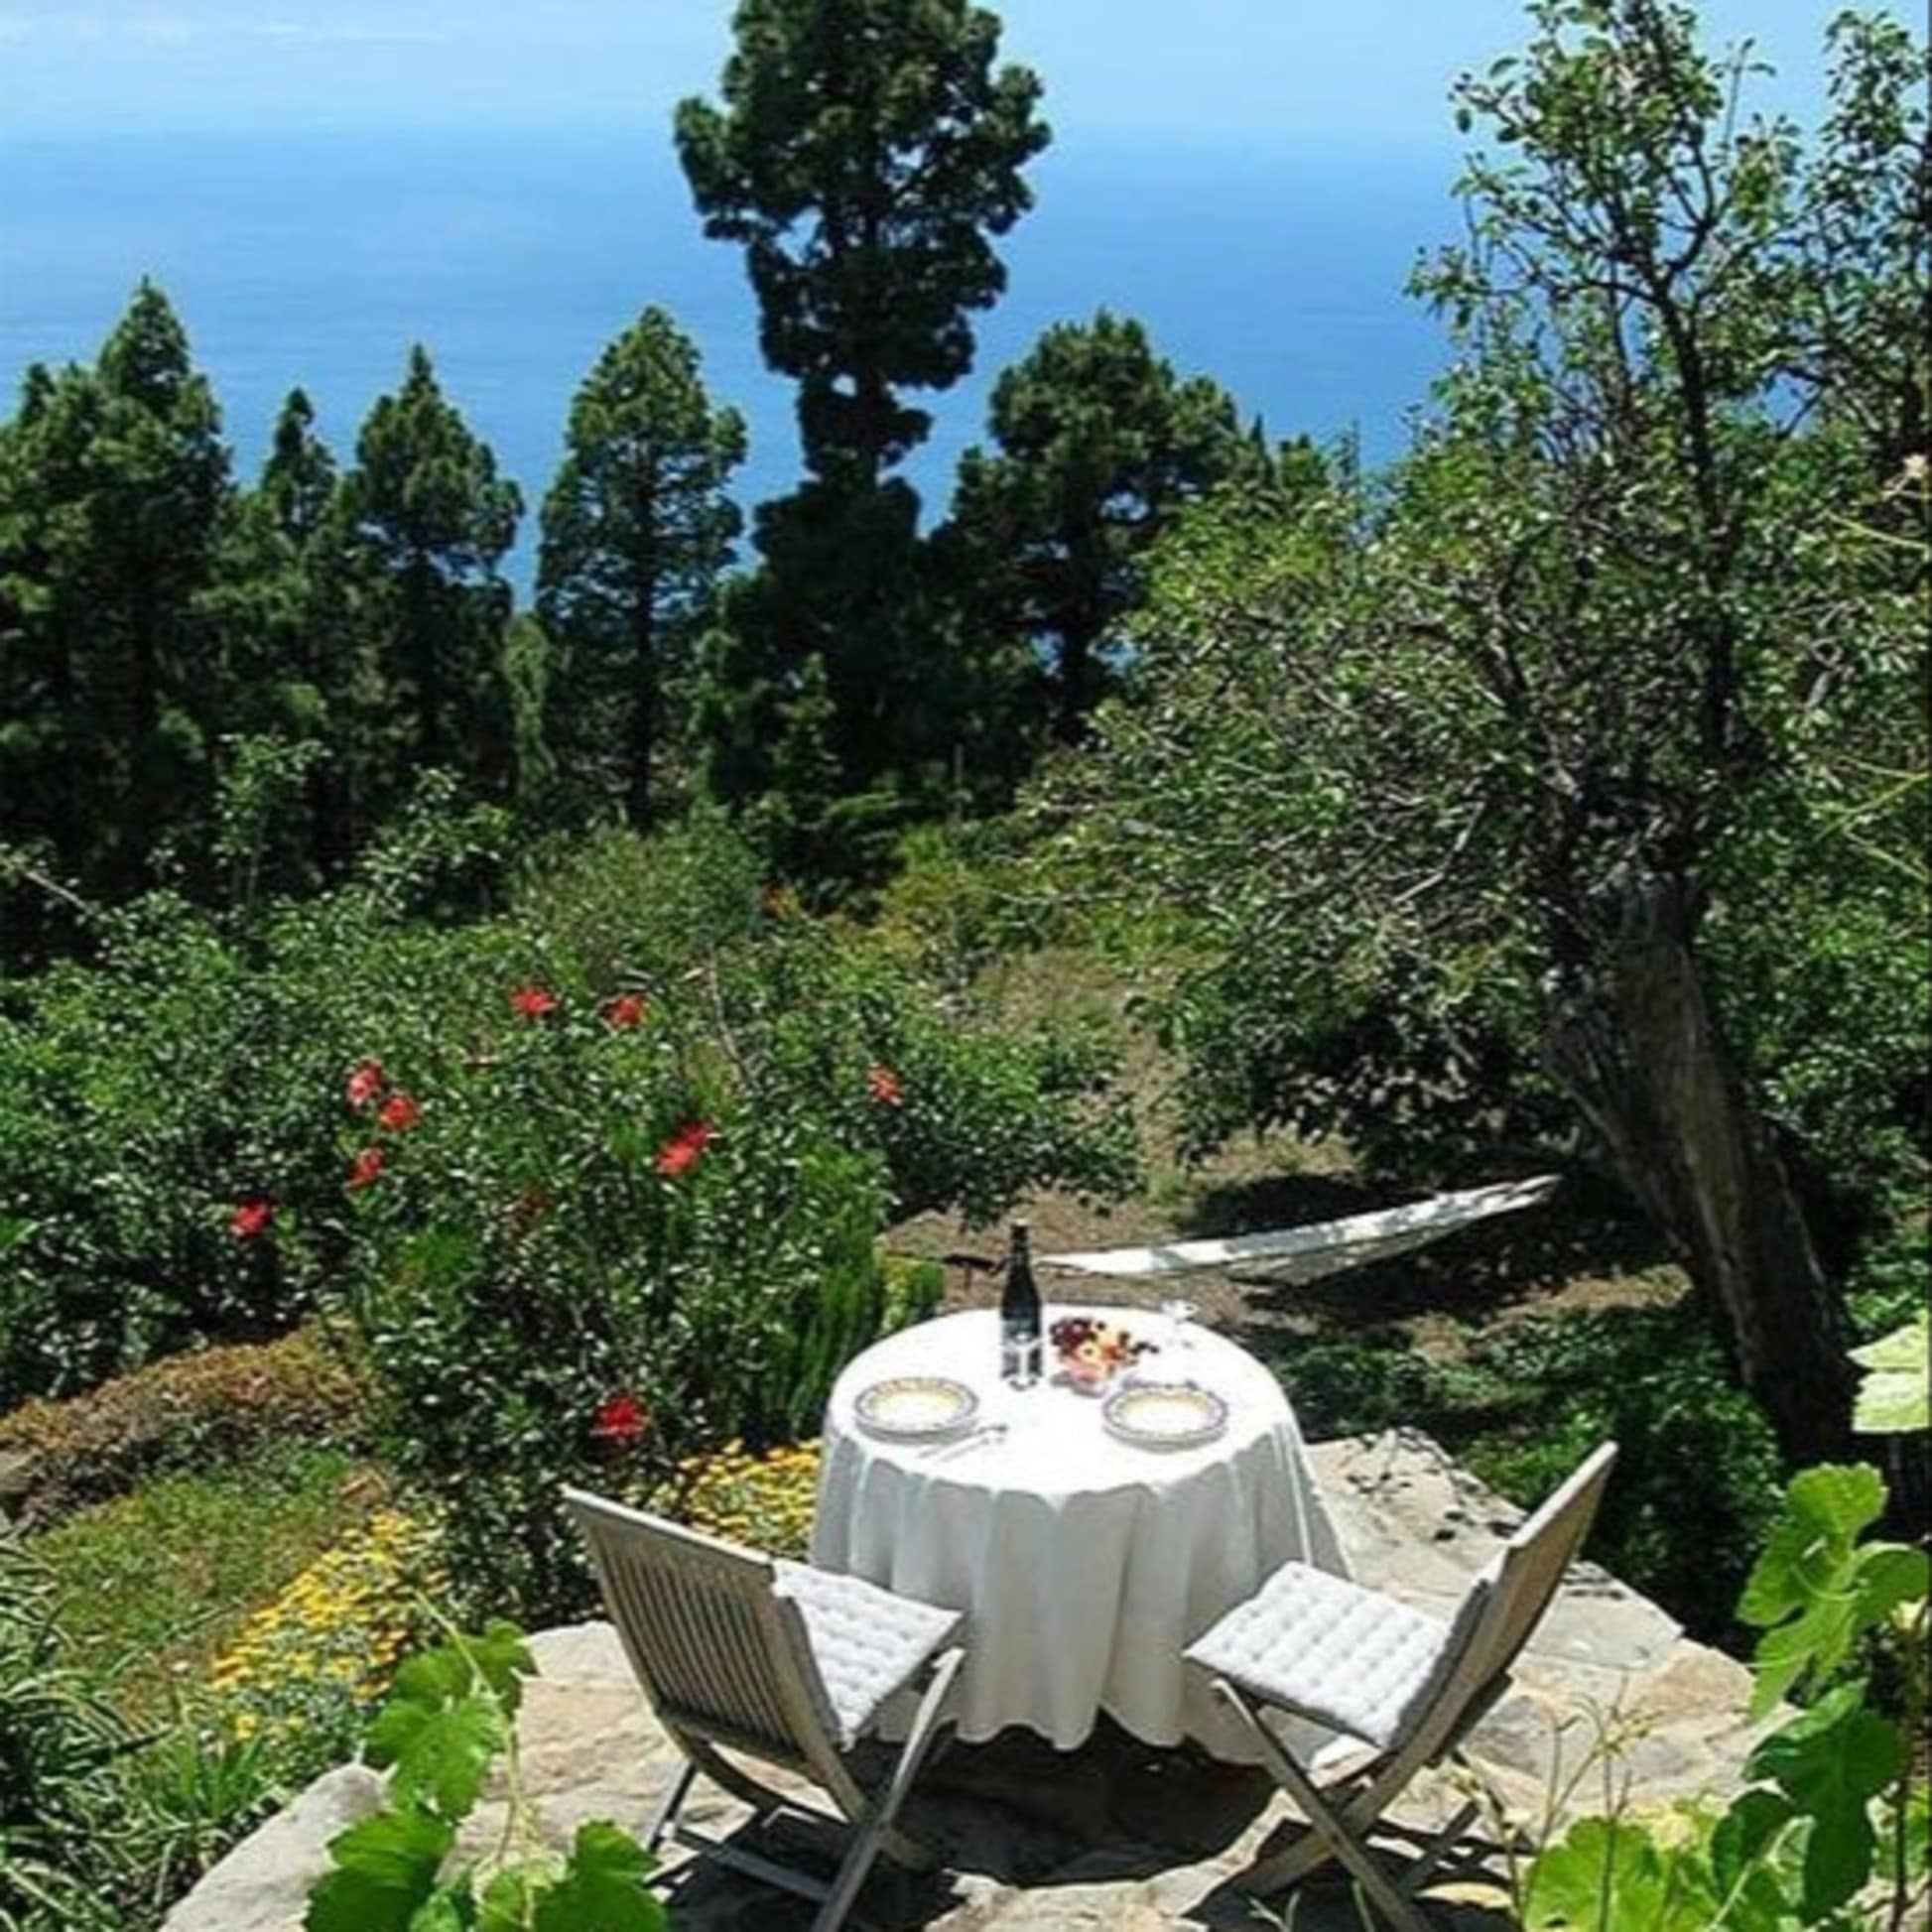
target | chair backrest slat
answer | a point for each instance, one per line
(710, 1640)
(1504, 1606)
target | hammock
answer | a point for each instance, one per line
(1296, 1254)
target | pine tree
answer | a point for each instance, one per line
(1098, 444)
(114, 495)
(636, 530)
(867, 153)
(429, 520)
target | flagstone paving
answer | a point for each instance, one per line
(1117, 1834)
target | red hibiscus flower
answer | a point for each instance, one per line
(621, 1420)
(399, 1113)
(367, 1170)
(627, 1010)
(250, 1219)
(532, 1002)
(364, 1084)
(883, 1086)
(678, 1155)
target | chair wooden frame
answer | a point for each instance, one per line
(1347, 1813)
(725, 1659)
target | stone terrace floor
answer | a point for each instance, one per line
(1117, 1834)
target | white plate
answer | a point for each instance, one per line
(916, 1408)
(1164, 1415)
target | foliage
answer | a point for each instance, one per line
(216, 1404)
(1697, 1479)
(1830, 1831)
(312, 1660)
(113, 486)
(430, 519)
(156, 1582)
(605, 1219)
(1478, 778)
(636, 529)
(1098, 447)
(765, 1501)
(58, 1743)
(99, 1828)
(866, 153)
(451, 1715)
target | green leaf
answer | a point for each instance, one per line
(1610, 1875)
(509, 1902)
(602, 1887)
(451, 1908)
(385, 1869)
(1896, 1396)
(1831, 1761)
(440, 1757)
(503, 1658)
(1745, 1833)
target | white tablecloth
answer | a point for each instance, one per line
(1085, 1565)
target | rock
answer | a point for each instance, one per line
(262, 1885)
(20, 1472)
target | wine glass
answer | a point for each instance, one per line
(1179, 1312)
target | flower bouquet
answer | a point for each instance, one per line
(1091, 1353)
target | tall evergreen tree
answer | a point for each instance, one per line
(635, 531)
(299, 478)
(114, 491)
(1098, 444)
(867, 153)
(430, 520)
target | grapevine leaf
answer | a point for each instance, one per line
(503, 1658)
(440, 1757)
(509, 1902)
(602, 1887)
(449, 1908)
(385, 1867)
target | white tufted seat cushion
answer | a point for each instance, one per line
(1350, 1658)
(867, 1643)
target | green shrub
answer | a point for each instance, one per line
(215, 1404)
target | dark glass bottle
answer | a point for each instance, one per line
(1021, 1319)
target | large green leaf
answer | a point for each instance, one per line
(602, 1889)
(1611, 1876)
(385, 1869)
(1831, 1761)
(440, 1755)
(1896, 1396)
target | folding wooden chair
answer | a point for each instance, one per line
(1408, 1686)
(778, 1661)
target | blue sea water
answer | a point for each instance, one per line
(318, 258)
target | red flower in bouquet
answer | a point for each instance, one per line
(678, 1155)
(364, 1084)
(626, 1010)
(883, 1086)
(399, 1113)
(367, 1169)
(532, 1002)
(250, 1219)
(621, 1420)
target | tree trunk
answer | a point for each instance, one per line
(1634, 1042)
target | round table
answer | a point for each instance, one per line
(1085, 1565)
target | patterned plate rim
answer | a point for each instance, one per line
(868, 1398)
(1215, 1425)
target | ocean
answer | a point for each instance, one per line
(514, 256)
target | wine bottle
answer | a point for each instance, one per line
(1021, 1319)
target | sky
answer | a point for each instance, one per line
(1372, 71)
